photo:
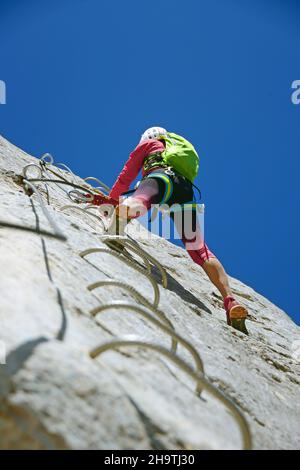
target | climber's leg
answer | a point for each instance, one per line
(148, 192)
(213, 268)
(236, 313)
(141, 200)
(200, 253)
(216, 273)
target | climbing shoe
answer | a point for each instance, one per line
(236, 314)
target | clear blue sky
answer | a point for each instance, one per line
(85, 78)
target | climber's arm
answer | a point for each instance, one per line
(133, 166)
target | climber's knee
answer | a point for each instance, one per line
(132, 208)
(201, 255)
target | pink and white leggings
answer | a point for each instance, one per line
(150, 192)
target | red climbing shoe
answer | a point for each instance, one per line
(236, 314)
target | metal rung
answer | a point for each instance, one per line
(137, 295)
(129, 244)
(198, 377)
(142, 311)
(102, 185)
(113, 242)
(80, 209)
(129, 263)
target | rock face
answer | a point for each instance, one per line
(53, 395)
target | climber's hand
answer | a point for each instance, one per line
(101, 199)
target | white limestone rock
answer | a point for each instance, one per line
(54, 396)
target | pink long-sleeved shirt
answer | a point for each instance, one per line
(133, 166)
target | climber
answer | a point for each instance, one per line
(169, 164)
